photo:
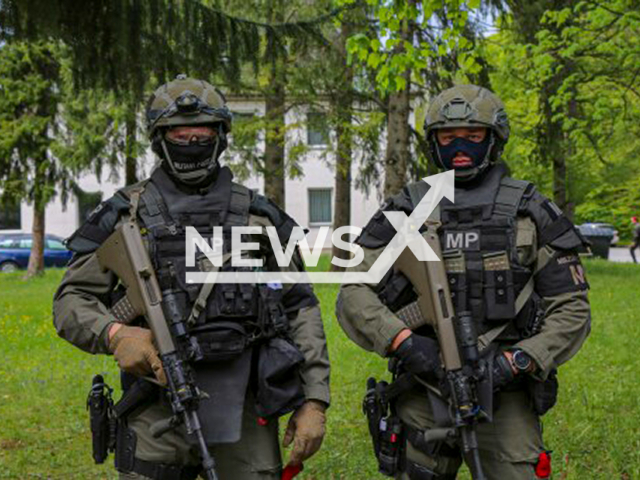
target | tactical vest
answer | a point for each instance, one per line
(478, 241)
(165, 212)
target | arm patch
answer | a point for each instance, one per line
(563, 273)
(262, 206)
(553, 227)
(98, 226)
(379, 231)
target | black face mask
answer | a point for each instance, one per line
(477, 152)
(189, 158)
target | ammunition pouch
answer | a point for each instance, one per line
(543, 394)
(499, 293)
(237, 300)
(279, 386)
(395, 290)
(220, 341)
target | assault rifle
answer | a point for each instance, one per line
(458, 345)
(125, 254)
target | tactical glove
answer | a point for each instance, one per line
(133, 349)
(502, 371)
(420, 356)
(306, 430)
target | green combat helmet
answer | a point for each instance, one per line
(468, 106)
(186, 102)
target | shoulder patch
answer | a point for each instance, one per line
(261, 205)
(379, 231)
(99, 225)
(553, 227)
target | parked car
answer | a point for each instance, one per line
(590, 228)
(15, 249)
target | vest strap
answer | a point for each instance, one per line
(509, 196)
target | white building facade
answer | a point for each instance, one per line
(309, 199)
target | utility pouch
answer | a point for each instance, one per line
(498, 287)
(279, 386)
(543, 394)
(395, 290)
(221, 340)
(455, 265)
(102, 418)
(385, 428)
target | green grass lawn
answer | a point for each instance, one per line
(594, 430)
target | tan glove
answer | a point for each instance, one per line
(133, 349)
(306, 430)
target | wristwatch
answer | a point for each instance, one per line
(522, 361)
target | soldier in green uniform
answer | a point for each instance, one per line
(512, 261)
(282, 365)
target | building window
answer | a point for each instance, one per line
(320, 205)
(10, 215)
(87, 202)
(245, 130)
(317, 129)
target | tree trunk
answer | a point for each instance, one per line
(342, 105)
(552, 142)
(36, 259)
(398, 131)
(274, 165)
(275, 98)
(397, 155)
(131, 161)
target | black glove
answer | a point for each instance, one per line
(420, 356)
(502, 371)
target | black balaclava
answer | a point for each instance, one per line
(479, 153)
(192, 165)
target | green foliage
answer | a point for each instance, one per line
(582, 61)
(29, 101)
(50, 131)
(45, 431)
(119, 44)
(391, 49)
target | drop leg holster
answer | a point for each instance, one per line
(139, 393)
(389, 434)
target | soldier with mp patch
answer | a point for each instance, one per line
(511, 260)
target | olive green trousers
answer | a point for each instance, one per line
(509, 446)
(255, 457)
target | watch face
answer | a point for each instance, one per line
(521, 360)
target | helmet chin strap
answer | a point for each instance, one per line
(195, 177)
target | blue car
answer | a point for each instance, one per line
(15, 249)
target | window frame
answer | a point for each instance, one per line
(320, 223)
(327, 134)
